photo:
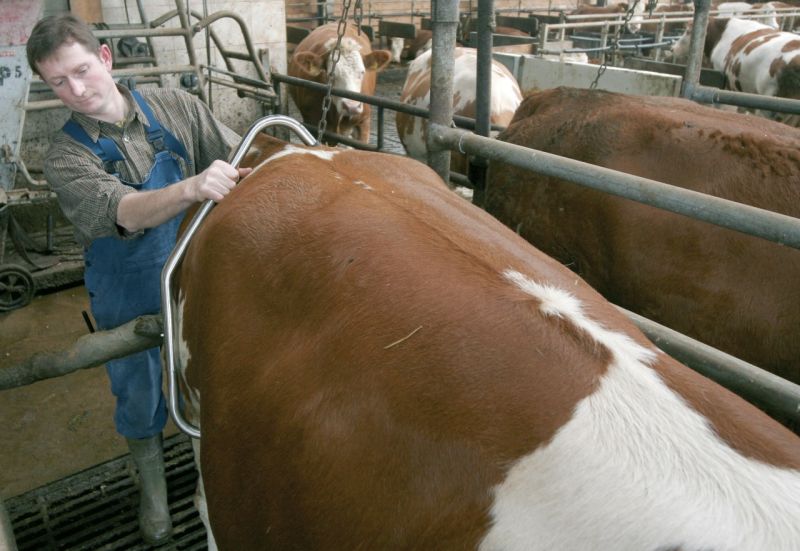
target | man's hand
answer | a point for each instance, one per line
(148, 209)
(216, 181)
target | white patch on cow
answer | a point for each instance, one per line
(396, 48)
(732, 9)
(184, 356)
(325, 155)
(200, 502)
(362, 184)
(347, 75)
(637, 468)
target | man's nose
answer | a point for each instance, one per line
(76, 87)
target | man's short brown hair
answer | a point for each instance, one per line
(52, 32)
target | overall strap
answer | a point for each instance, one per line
(160, 137)
(104, 148)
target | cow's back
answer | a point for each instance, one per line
(735, 292)
(382, 365)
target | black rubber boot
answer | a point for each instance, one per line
(155, 522)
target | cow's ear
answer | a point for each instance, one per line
(309, 63)
(377, 60)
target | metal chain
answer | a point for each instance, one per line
(336, 53)
(614, 44)
(358, 14)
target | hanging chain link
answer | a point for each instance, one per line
(335, 54)
(614, 44)
(358, 14)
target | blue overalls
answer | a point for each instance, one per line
(123, 279)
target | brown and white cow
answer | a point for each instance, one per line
(383, 365)
(732, 291)
(413, 131)
(355, 71)
(755, 58)
(409, 49)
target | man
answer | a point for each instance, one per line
(125, 167)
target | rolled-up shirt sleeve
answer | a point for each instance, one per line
(88, 196)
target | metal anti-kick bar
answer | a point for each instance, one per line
(721, 212)
(167, 300)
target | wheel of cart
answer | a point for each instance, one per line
(16, 287)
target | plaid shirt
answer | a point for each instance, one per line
(89, 196)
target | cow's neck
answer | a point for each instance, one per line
(716, 27)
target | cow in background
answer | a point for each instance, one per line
(732, 291)
(355, 71)
(413, 131)
(409, 49)
(377, 364)
(755, 58)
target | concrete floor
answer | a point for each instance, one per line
(60, 426)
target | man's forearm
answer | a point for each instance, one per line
(148, 209)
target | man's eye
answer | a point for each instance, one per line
(57, 83)
(82, 70)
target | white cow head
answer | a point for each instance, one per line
(635, 23)
(396, 47)
(680, 49)
(349, 72)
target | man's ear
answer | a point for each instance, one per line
(105, 55)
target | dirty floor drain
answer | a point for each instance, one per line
(96, 508)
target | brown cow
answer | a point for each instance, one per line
(355, 71)
(383, 365)
(732, 291)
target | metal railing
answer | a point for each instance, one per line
(167, 300)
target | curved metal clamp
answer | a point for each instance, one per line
(167, 302)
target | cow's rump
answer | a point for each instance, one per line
(383, 365)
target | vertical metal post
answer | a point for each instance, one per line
(662, 24)
(322, 13)
(604, 42)
(483, 95)
(186, 26)
(445, 25)
(694, 64)
(483, 77)
(543, 30)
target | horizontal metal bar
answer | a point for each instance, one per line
(239, 77)
(721, 212)
(775, 395)
(251, 91)
(120, 33)
(464, 122)
(707, 94)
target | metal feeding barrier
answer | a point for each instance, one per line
(167, 299)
